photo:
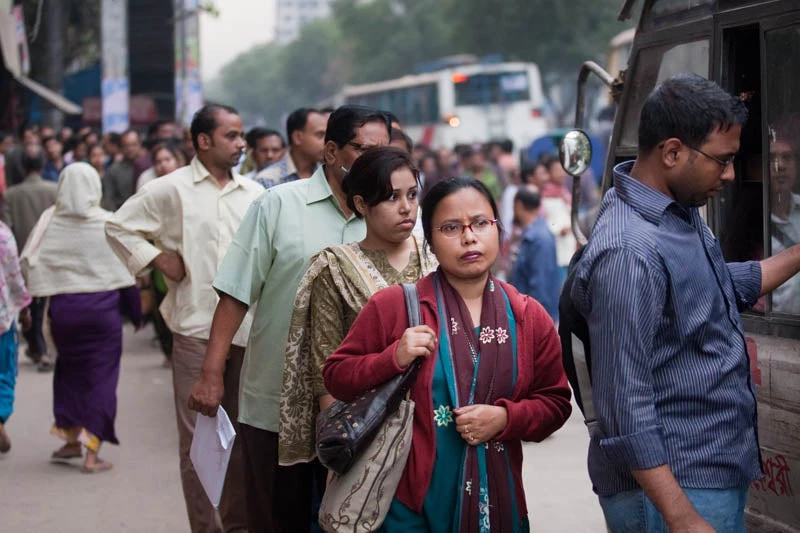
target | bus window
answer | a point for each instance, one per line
(492, 88)
(739, 212)
(654, 65)
(783, 119)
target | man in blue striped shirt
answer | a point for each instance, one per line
(676, 443)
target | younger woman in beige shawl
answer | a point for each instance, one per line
(382, 188)
(67, 260)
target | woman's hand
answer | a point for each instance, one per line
(480, 423)
(419, 341)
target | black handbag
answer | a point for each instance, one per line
(345, 430)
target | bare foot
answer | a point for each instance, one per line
(98, 465)
(5, 442)
(70, 450)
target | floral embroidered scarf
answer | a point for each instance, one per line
(483, 365)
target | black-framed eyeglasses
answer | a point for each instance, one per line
(479, 226)
(721, 162)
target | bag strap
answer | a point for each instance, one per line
(412, 304)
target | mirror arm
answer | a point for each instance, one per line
(576, 203)
(588, 67)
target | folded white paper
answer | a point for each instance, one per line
(211, 450)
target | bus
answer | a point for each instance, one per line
(751, 49)
(471, 103)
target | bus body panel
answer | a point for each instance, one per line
(735, 43)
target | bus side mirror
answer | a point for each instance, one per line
(575, 152)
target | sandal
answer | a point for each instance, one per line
(68, 451)
(99, 466)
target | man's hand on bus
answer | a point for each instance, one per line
(171, 265)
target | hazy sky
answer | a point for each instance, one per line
(241, 24)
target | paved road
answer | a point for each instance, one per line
(142, 493)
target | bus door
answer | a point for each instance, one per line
(757, 217)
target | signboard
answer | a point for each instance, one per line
(22, 39)
(115, 87)
(188, 85)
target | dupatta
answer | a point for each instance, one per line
(357, 279)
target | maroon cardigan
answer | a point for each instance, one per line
(366, 358)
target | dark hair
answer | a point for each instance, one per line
(254, 135)
(95, 145)
(391, 116)
(506, 145)
(528, 170)
(32, 162)
(344, 122)
(297, 120)
(547, 160)
(4, 135)
(205, 120)
(400, 135)
(153, 128)
(170, 147)
(371, 175)
(529, 199)
(445, 188)
(327, 110)
(115, 138)
(50, 138)
(690, 108)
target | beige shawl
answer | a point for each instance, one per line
(67, 252)
(357, 279)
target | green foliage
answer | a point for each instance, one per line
(372, 40)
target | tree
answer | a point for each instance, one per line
(558, 36)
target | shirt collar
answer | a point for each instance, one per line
(647, 201)
(318, 187)
(200, 172)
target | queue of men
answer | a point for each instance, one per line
(233, 257)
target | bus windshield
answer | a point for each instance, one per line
(492, 88)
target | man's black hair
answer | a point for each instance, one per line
(400, 135)
(392, 117)
(205, 120)
(32, 159)
(529, 199)
(254, 135)
(297, 120)
(344, 122)
(690, 108)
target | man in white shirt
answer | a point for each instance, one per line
(192, 215)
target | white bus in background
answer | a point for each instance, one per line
(467, 104)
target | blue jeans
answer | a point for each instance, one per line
(633, 512)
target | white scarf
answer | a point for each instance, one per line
(67, 252)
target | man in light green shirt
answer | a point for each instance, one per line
(287, 226)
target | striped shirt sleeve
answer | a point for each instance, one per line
(627, 293)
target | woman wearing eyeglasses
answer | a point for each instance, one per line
(491, 377)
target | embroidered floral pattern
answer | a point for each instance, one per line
(453, 326)
(487, 335)
(443, 416)
(502, 335)
(483, 511)
(491, 285)
(499, 447)
(468, 488)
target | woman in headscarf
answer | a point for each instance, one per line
(382, 187)
(491, 374)
(67, 259)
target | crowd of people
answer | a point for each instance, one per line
(275, 263)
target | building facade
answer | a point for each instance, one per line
(292, 15)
